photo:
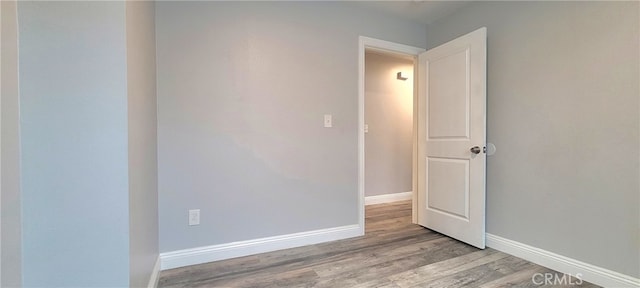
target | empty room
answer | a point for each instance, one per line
(320, 144)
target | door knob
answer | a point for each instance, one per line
(475, 150)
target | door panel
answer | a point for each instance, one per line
(452, 119)
(448, 78)
(448, 186)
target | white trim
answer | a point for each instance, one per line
(388, 198)
(1, 153)
(379, 45)
(181, 258)
(153, 280)
(590, 273)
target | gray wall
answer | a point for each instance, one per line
(73, 112)
(389, 114)
(563, 113)
(11, 255)
(242, 89)
(143, 168)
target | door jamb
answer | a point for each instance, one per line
(395, 48)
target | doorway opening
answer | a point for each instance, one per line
(388, 127)
(387, 93)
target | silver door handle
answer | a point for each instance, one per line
(475, 150)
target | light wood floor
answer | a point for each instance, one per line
(393, 253)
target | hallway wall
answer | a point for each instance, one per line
(389, 116)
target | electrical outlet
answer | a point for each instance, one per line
(194, 217)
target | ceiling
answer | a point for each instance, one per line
(425, 12)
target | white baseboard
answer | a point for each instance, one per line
(388, 198)
(153, 280)
(181, 258)
(590, 273)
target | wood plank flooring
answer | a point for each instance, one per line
(393, 253)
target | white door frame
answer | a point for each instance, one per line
(395, 48)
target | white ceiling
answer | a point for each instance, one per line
(420, 11)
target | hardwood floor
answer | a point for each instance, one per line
(393, 253)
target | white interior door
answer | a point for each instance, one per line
(451, 138)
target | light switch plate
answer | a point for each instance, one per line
(194, 217)
(328, 122)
